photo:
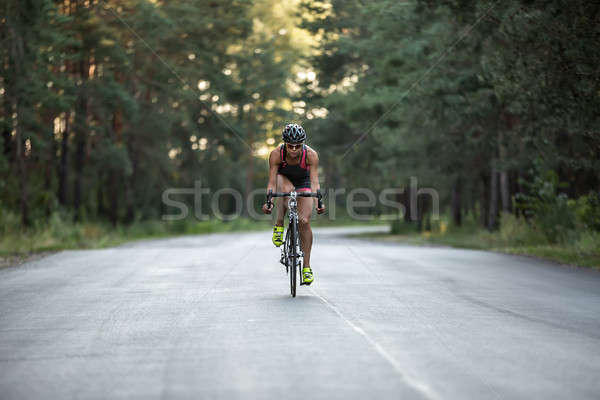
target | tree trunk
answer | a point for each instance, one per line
(473, 199)
(6, 132)
(505, 191)
(249, 170)
(407, 205)
(63, 169)
(130, 190)
(465, 198)
(114, 176)
(421, 208)
(50, 162)
(80, 136)
(80, 125)
(493, 208)
(114, 197)
(511, 123)
(516, 188)
(457, 202)
(100, 209)
(14, 96)
(483, 201)
(21, 170)
(81, 114)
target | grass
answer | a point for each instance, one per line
(58, 233)
(515, 236)
(561, 254)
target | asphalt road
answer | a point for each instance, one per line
(210, 317)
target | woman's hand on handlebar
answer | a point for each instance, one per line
(266, 209)
(320, 210)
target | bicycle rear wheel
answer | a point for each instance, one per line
(292, 256)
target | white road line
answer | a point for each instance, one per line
(420, 387)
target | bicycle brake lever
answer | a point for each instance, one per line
(319, 198)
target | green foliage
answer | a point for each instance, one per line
(116, 101)
(588, 243)
(516, 232)
(400, 227)
(450, 89)
(107, 97)
(58, 231)
(548, 208)
(587, 211)
(515, 236)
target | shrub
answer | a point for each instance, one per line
(589, 242)
(587, 211)
(9, 222)
(518, 232)
(399, 227)
(548, 209)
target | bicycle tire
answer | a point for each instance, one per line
(292, 256)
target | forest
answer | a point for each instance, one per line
(494, 104)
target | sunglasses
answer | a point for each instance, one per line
(293, 146)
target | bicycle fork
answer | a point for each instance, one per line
(283, 260)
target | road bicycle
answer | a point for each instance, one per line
(291, 251)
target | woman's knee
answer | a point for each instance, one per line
(304, 221)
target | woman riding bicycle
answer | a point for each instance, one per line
(295, 165)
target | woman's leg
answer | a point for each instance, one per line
(305, 207)
(283, 185)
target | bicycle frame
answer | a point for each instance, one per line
(295, 254)
(292, 255)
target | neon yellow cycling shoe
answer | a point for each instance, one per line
(307, 276)
(278, 235)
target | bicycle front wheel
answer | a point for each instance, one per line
(293, 257)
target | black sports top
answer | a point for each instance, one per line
(298, 174)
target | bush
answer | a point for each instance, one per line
(589, 243)
(556, 219)
(587, 211)
(9, 222)
(399, 227)
(518, 232)
(548, 209)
